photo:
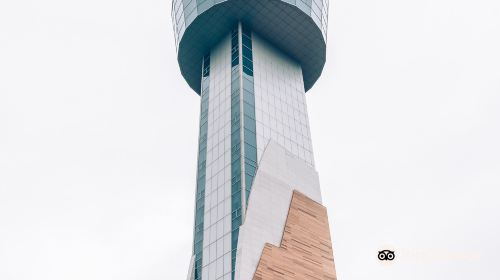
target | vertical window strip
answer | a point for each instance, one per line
(201, 170)
(250, 138)
(235, 148)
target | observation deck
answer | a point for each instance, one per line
(296, 27)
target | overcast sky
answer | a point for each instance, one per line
(98, 139)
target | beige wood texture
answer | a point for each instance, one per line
(306, 248)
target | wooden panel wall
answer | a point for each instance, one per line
(306, 248)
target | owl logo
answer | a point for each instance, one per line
(386, 255)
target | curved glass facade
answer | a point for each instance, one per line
(297, 27)
(184, 12)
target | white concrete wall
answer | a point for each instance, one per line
(279, 173)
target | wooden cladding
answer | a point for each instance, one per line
(306, 248)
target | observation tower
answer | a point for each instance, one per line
(258, 209)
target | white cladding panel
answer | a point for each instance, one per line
(279, 173)
(280, 103)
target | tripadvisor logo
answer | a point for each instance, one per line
(386, 255)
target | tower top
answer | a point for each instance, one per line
(296, 27)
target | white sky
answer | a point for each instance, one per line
(98, 136)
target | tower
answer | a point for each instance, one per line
(258, 205)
